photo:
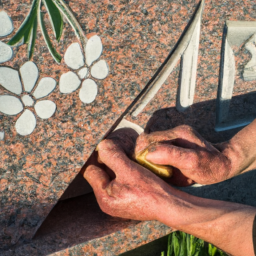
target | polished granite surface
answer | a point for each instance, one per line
(137, 37)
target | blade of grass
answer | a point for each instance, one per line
(162, 253)
(198, 253)
(52, 50)
(212, 250)
(221, 253)
(32, 40)
(169, 246)
(182, 244)
(172, 244)
(200, 249)
(62, 6)
(55, 18)
(192, 245)
(188, 244)
(200, 243)
(176, 244)
(183, 249)
(26, 26)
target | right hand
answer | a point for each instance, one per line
(194, 158)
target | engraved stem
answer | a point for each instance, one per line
(62, 6)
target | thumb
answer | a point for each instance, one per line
(167, 154)
(97, 178)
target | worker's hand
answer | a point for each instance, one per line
(184, 149)
(132, 192)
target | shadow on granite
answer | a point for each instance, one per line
(240, 189)
(78, 224)
(202, 117)
(242, 106)
(78, 220)
(151, 249)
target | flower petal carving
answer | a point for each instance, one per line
(45, 108)
(45, 87)
(83, 73)
(26, 123)
(69, 82)
(10, 80)
(6, 52)
(100, 69)
(93, 49)
(74, 57)
(88, 91)
(29, 74)
(6, 27)
(10, 105)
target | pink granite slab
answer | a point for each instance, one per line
(137, 37)
(36, 169)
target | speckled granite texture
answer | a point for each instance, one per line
(137, 36)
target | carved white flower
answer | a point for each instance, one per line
(6, 28)
(27, 97)
(86, 73)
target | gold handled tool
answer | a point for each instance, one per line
(160, 170)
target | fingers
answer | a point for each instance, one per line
(93, 160)
(114, 156)
(115, 150)
(126, 138)
(183, 136)
(144, 140)
(97, 178)
(165, 154)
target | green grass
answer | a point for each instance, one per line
(182, 244)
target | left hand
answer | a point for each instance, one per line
(132, 192)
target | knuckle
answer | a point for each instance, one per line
(90, 172)
(105, 144)
(113, 190)
(185, 127)
(185, 130)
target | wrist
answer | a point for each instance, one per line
(240, 158)
(232, 151)
(221, 223)
(241, 150)
(182, 211)
(177, 208)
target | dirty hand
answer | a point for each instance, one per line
(122, 187)
(129, 190)
(194, 158)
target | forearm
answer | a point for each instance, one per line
(224, 224)
(241, 150)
